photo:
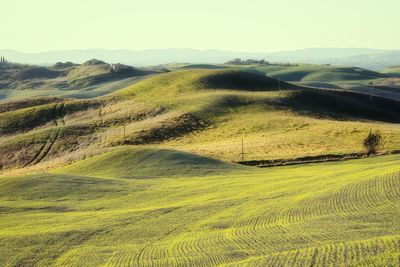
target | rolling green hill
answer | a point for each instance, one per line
(317, 73)
(395, 71)
(148, 163)
(145, 176)
(344, 213)
(208, 112)
(91, 79)
(202, 66)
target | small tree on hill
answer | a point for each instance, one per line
(372, 142)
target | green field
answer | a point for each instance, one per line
(199, 133)
(314, 73)
(145, 175)
(118, 209)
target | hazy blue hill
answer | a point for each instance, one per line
(92, 78)
(362, 57)
(322, 53)
(376, 61)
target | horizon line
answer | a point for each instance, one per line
(193, 49)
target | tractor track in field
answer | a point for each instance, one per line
(44, 149)
(335, 254)
(139, 258)
(47, 148)
(52, 138)
(36, 155)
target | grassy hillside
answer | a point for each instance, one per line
(24, 119)
(318, 73)
(148, 163)
(91, 79)
(202, 66)
(112, 181)
(208, 112)
(272, 122)
(344, 213)
(394, 71)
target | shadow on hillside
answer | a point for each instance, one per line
(343, 105)
(204, 66)
(243, 80)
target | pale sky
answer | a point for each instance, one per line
(235, 25)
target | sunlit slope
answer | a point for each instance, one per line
(208, 112)
(274, 124)
(394, 71)
(202, 91)
(232, 88)
(203, 66)
(149, 163)
(317, 73)
(384, 83)
(183, 82)
(344, 213)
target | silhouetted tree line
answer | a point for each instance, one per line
(238, 61)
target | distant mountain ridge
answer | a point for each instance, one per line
(374, 59)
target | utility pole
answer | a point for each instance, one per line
(279, 82)
(123, 141)
(242, 150)
(370, 93)
(280, 93)
(101, 117)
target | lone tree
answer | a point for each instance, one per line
(372, 142)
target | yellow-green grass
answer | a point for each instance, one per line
(316, 73)
(395, 71)
(203, 66)
(28, 118)
(270, 134)
(148, 163)
(165, 88)
(209, 112)
(340, 214)
(85, 71)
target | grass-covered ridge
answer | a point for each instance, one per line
(395, 71)
(91, 79)
(148, 163)
(344, 213)
(28, 118)
(205, 111)
(317, 73)
(189, 81)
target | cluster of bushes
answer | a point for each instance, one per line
(238, 61)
